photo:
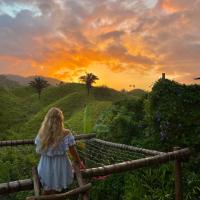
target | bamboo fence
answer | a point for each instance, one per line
(179, 155)
(128, 147)
(31, 141)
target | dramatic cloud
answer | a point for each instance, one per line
(134, 40)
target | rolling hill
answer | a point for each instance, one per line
(137, 93)
(21, 113)
(5, 82)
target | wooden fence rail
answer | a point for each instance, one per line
(16, 186)
(180, 155)
(31, 141)
(128, 147)
(71, 193)
(136, 164)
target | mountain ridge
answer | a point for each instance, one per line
(24, 80)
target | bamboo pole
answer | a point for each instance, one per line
(16, 186)
(178, 177)
(31, 141)
(36, 182)
(182, 154)
(62, 195)
(85, 136)
(128, 147)
(16, 142)
(80, 180)
(135, 164)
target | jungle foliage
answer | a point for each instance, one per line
(168, 116)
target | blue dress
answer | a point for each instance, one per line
(54, 168)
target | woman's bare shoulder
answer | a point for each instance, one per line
(67, 132)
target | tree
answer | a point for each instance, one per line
(88, 79)
(39, 84)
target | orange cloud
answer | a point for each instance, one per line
(169, 6)
(122, 43)
(176, 5)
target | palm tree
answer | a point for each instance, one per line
(39, 84)
(88, 79)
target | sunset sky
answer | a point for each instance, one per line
(123, 42)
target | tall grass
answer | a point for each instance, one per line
(87, 123)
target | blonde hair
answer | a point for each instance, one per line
(52, 129)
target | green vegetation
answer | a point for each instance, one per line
(21, 114)
(168, 116)
(137, 93)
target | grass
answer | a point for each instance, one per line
(21, 115)
(21, 112)
(11, 110)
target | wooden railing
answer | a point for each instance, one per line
(31, 141)
(156, 158)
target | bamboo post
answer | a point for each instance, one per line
(80, 181)
(36, 182)
(163, 76)
(178, 177)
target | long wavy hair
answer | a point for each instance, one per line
(52, 129)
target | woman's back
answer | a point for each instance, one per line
(54, 168)
(52, 142)
(64, 144)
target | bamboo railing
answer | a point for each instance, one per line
(81, 190)
(179, 155)
(31, 141)
(71, 193)
(136, 164)
(156, 158)
(16, 186)
(128, 147)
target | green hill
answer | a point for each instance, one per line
(22, 112)
(24, 81)
(137, 93)
(5, 82)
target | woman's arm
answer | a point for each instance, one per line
(74, 153)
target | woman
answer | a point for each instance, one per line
(52, 142)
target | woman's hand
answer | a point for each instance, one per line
(81, 165)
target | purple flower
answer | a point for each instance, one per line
(158, 116)
(163, 136)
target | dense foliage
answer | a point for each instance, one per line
(169, 116)
(166, 117)
(173, 119)
(173, 114)
(125, 122)
(122, 122)
(21, 114)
